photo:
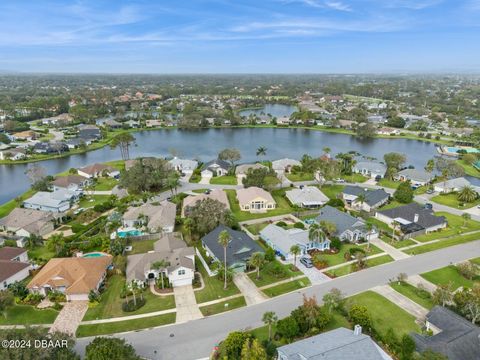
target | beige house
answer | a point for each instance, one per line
(155, 218)
(25, 222)
(216, 194)
(255, 199)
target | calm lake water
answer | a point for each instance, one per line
(205, 144)
(276, 110)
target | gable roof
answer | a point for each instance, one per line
(458, 338)
(9, 253)
(215, 194)
(372, 197)
(184, 164)
(371, 166)
(28, 219)
(307, 195)
(9, 268)
(96, 168)
(426, 218)
(240, 248)
(281, 164)
(284, 239)
(416, 175)
(53, 199)
(342, 220)
(161, 215)
(244, 168)
(246, 195)
(65, 181)
(217, 163)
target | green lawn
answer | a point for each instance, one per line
(256, 228)
(379, 224)
(223, 306)
(339, 258)
(475, 261)
(224, 180)
(332, 191)
(199, 191)
(388, 183)
(469, 169)
(110, 305)
(127, 325)
(348, 269)
(40, 252)
(266, 277)
(105, 184)
(26, 315)
(92, 200)
(6, 208)
(354, 178)
(141, 246)
(442, 244)
(456, 226)
(213, 287)
(385, 314)
(303, 176)
(421, 297)
(392, 204)
(397, 244)
(287, 287)
(448, 275)
(452, 201)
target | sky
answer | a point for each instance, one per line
(240, 36)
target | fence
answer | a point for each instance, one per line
(204, 263)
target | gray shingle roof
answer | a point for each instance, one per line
(221, 163)
(343, 221)
(416, 175)
(425, 217)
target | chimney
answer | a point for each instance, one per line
(415, 218)
(357, 330)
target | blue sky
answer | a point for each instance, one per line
(262, 36)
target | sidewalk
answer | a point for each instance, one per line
(396, 254)
(416, 280)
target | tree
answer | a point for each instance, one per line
(443, 294)
(260, 178)
(369, 227)
(173, 182)
(295, 250)
(407, 347)
(448, 168)
(394, 162)
(261, 151)
(366, 130)
(333, 300)
(288, 328)
(395, 223)
(404, 193)
(430, 165)
(147, 175)
(103, 348)
(188, 226)
(56, 242)
(467, 302)
(316, 234)
(6, 300)
(35, 173)
(232, 346)
(224, 239)
(269, 318)
(252, 350)
(466, 217)
(123, 141)
(231, 155)
(326, 150)
(257, 260)
(328, 227)
(207, 214)
(467, 194)
(160, 265)
(18, 289)
(358, 315)
(361, 199)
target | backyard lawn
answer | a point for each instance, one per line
(421, 297)
(303, 176)
(448, 275)
(6, 208)
(354, 178)
(92, 200)
(141, 246)
(40, 252)
(287, 287)
(385, 314)
(110, 305)
(213, 287)
(268, 275)
(224, 180)
(26, 315)
(452, 201)
(456, 226)
(223, 306)
(442, 244)
(105, 184)
(331, 191)
(127, 325)
(348, 269)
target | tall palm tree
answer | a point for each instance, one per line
(269, 318)
(160, 265)
(395, 223)
(445, 175)
(466, 217)
(262, 151)
(316, 234)
(257, 260)
(361, 199)
(223, 239)
(369, 227)
(467, 194)
(295, 250)
(328, 227)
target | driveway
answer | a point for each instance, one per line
(70, 317)
(315, 276)
(400, 300)
(389, 249)
(248, 289)
(187, 308)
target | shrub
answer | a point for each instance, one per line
(56, 296)
(288, 328)
(358, 315)
(269, 254)
(319, 261)
(277, 270)
(33, 299)
(282, 224)
(129, 306)
(467, 270)
(299, 225)
(338, 203)
(336, 243)
(355, 250)
(57, 306)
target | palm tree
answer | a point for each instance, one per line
(328, 227)
(445, 174)
(361, 199)
(160, 265)
(430, 166)
(316, 234)
(466, 217)
(188, 225)
(327, 150)
(173, 182)
(123, 141)
(223, 239)
(394, 226)
(257, 260)
(134, 287)
(295, 250)
(467, 194)
(369, 227)
(262, 151)
(269, 318)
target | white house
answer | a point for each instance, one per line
(307, 197)
(416, 177)
(453, 185)
(14, 266)
(13, 154)
(57, 201)
(370, 169)
(255, 199)
(98, 170)
(183, 165)
(284, 165)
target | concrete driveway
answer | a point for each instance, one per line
(187, 308)
(248, 289)
(402, 301)
(315, 276)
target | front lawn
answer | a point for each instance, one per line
(223, 306)
(224, 180)
(287, 287)
(456, 226)
(354, 178)
(385, 314)
(448, 275)
(421, 297)
(388, 183)
(213, 287)
(339, 258)
(110, 305)
(397, 244)
(127, 325)
(302, 176)
(27, 315)
(442, 244)
(452, 201)
(273, 272)
(256, 228)
(348, 269)
(332, 191)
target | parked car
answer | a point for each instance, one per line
(429, 191)
(307, 262)
(428, 206)
(339, 180)
(378, 178)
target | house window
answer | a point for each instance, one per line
(181, 272)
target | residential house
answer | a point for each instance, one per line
(153, 123)
(98, 170)
(57, 201)
(132, 123)
(453, 336)
(75, 276)
(282, 166)
(183, 165)
(13, 154)
(416, 177)
(111, 123)
(412, 219)
(216, 194)
(388, 131)
(283, 121)
(155, 218)
(27, 135)
(453, 185)
(14, 266)
(89, 132)
(347, 227)
(346, 124)
(239, 250)
(255, 199)
(216, 168)
(73, 183)
(61, 119)
(170, 250)
(307, 197)
(242, 170)
(364, 199)
(50, 147)
(371, 169)
(26, 222)
(338, 344)
(281, 240)
(75, 143)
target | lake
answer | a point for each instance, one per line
(276, 110)
(205, 144)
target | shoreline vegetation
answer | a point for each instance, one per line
(106, 141)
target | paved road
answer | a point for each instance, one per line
(196, 339)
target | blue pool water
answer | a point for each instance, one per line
(93, 255)
(453, 149)
(135, 232)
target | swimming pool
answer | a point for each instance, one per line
(454, 150)
(93, 255)
(131, 232)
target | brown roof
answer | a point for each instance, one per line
(9, 268)
(96, 168)
(9, 253)
(64, 181)
(216, 194)
(79, 275)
